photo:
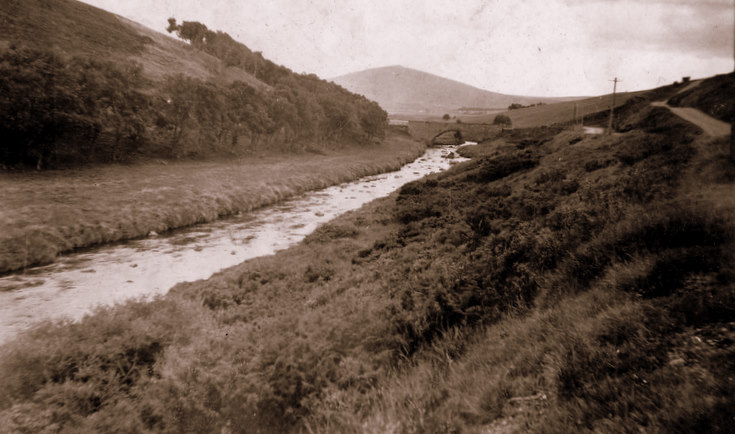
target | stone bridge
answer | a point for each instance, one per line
(428, 131)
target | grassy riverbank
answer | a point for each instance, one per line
(557, 282)
(44, 214)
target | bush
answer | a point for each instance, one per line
(492, 169)
(503, 120)
(328, 232)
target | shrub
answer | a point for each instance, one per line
(592, 165)
(328, 232)
(491, 169)
(503, 120)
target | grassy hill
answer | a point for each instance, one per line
(713, 96)
(557, 282)
(401, 90)
(79, 85)
(560, 112)
(79, 29)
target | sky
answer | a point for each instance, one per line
(520, 47)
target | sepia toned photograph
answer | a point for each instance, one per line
(353, 216)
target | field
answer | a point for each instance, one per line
(51, 212)
(562, 112)
(557, 282)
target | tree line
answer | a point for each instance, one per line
(516, 106)
(58, 110)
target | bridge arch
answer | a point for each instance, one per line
(456, 139)
(429, 131)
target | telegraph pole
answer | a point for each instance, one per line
(732, 113)
(612, 106)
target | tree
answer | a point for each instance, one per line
(446, 116)
(503, 120)
(179, 90)
(46, 109)
(121, 107)
(372, 121)
(194, 32)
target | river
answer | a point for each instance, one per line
(77, 283)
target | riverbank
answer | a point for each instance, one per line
(558, 282)
(75, 284)
(45, 214)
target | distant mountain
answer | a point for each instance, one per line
(404, 90)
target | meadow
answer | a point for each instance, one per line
(558, 113)
(48, 213)
(557, 282)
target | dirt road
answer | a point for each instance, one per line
(711, 126)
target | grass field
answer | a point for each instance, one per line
(562, 112)
(558, 282)
(47, 213)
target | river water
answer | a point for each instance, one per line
(76, 283)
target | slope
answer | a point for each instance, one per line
(78, 29)
(79, 85)
(560, 112)
(403, 90)
(713, 96)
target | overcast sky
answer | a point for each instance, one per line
(525, 47)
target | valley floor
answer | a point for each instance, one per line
(558, 282)
(46, 213)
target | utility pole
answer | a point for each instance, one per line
(732, 113)
(612, 106)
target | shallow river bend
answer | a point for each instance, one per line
(76, 283)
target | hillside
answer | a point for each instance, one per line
(401, 90)
(561, 112)
(79, 29)
(713, 96)
(557, 282)
(79, 85)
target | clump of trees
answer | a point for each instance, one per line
(55, 109)
(58, 110)
(516, 106)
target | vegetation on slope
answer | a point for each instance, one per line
(74, 27)
(68, 107)
(712, 96)
(555, 283)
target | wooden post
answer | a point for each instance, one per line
(612, 106)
